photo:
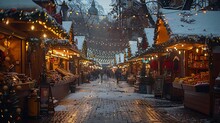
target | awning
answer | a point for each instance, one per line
(62, 48)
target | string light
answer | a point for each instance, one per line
(7, 22)
(38, 16)
(197, 50)
(32, 27)
(44, 35)
(107, 27)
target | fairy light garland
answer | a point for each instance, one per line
(107, 43)
(103, 56)
(36, 16)
(106, 52)
(107, 27)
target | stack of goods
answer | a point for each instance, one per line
(200, 81)
(64, 72)
(194, 79)
(16, 78)
(59, 76)
(54, 76)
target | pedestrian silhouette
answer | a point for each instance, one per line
(117, 75)
(101, 75)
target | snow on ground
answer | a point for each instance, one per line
(109, 90)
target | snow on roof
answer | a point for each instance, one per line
(67, 25)
(121, 57)
(134, 48)
(18, 4)
(117, 58)
(192, 22)
(80, 40)
(150, 35)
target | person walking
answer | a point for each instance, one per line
(101, 75)
(117, 75)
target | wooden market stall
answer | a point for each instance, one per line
(154, 57)
(62, 67)
(13, 47)
(134, 67)
(24, 26)
(189, 38)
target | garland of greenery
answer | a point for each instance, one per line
(35, 16)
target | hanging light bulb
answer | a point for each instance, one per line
(44, 35)
(175, 48)
(32, 27)
(7, 22)
(197, 50)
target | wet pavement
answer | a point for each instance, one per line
(108, 102)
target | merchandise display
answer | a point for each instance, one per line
(59, 76)
(194, 79)
(16, 78)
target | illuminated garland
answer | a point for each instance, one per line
(108, 27)
(102, 15)
(102, 56)
(106, 52)
(110, 44)
(102, 60)
(109, 39)
(36, 16)
(106, 56)
(161, 48)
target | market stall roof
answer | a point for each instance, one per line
(119, 58)
(133, 46)
(18, 4)
(150, 35)
(183, 23)
(29, 18)
(79, 41)
(35, 23)
(62, 44)
(61, 48)
(67, 25)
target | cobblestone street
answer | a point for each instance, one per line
(108, 102)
